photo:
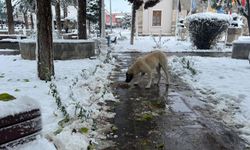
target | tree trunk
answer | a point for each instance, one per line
(82, 29)
(31, 21)
(9, 7)
(65, 11)
(25, 20)
(133, 25)
(44, 40)
(58, 16)
(89, 25)
(248, 16)
(248, 23)
(100, 17)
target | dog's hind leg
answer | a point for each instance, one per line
(158, 69)
(150, 74)
(164, 67)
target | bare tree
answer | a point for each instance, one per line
(9, 8)
(136, 4)
(58, 15)
(100, 17)
(82, 16)
(26, 7)
(31, 21)
(25, 19)
(44, 40)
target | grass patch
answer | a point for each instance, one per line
(188, 65)
(6, 97)
(158, 103)
(84, 130)
(145, 117)
(59, 130)
(17, 90)
(26, 80)
(114, 128)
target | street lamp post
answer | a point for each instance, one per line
(110, 16)
(103, 20)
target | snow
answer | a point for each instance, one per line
(243, 39)
(76, 83)
(39, 144)
(6, 49)
(72, 13)
(209, 16)
(224, 79)
(166, 43)
(11, 40)
(21, 104)
(57, 41)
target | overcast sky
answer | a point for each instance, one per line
(118, 5)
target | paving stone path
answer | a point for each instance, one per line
(164, 118)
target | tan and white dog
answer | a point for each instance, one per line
(147, 64)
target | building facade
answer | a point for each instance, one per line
(156, 20)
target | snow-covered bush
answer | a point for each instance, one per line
(237, 21)
(205, 28)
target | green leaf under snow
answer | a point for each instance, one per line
(6, 97)
(84, 130)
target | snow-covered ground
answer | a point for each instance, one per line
(80, 84)
(167, 43)
(223, 84)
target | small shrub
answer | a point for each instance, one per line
(188, 65)
(206, 28)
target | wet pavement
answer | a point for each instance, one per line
(171, 118)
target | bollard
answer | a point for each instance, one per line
(108, 40)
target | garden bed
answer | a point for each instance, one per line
(63, 49)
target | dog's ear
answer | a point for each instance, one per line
(129, 77)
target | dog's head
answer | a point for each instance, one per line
(129, 77)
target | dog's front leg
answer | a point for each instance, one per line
(140, 79)
(150, 80)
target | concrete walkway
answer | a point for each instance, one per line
(161, 118)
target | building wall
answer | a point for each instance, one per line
(145, 25)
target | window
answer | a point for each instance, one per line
(156, 18)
